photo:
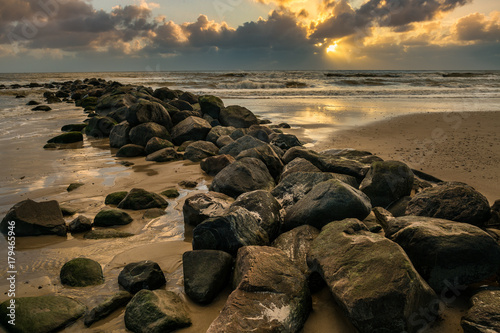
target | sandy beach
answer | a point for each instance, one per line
(455, 146)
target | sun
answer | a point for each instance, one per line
(332, 48)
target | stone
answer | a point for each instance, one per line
(484, 315)
(188, 183)
(245, 175)
(70, 137)
(219, 131)
(44, 108)
(115, 198)
(214, 164)
(206, 273)
(33, 103)
(80, 224)
(30, 218)
(73, 127)
(285, 141)
(387, 182)
(171, 193)
(111, 217)
(451, 201)
(237, 116)
(267, 155)
(200, 150)
(182, 115)
(148, 112)
(398, 208)
(88, 102)
(199, 207)
(191, 128)
(155, 144)
(271, 294)
(298, 165)
(141, 134)
(131, 150)
(211, 105)
(224, 141)
(189, 97)
(42, 314)
(50, 146)
(164, 155)
(106, 234)
(81, 272)
(445, 252)
(165, 94)
(74, 186)
(107, 307)
(371, 278)
(100, 127)
(139, 198)
(119, 135)
(328, 201)
(141, 275)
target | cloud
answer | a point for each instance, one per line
(478, 27)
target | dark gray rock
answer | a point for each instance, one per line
(111, 217)
(285, 141)
(141, 275)
(206, 274)
(298, 165)
(115, 198)
(181, 105)
(171, 193)
(156, 311)
(191, 128)
(201, 206)
(189, 97)
(182, 115)
(44, 108)
(81, 272)
(211, 105)
(398, 208)
(484, 315)
(107, 307)
(445, 252)
(224, 141)
(245, 175)
(139, 198)
(164, 155)
(33, 219)
(241, 144)
(80, 224)
(165, 94)
(214, 164)
(218, 131)
(155, 144)
(331, 200)
(451, 201)
(371, 278)
(148, 112)
(200, 150)
(238, 133)
(141, 134)
(267, 155)
(131, 150)
(70, 137)
(237, 116)
(100, 127)
(73, 127)
(119, 135)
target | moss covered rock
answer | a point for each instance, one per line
(81, 272)
(73, 127)
(115, 198)
(171, 193)
(138, 199)
(110, 217)
(70, 137)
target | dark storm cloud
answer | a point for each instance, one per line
(478, 27)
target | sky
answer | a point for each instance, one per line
(166, 35)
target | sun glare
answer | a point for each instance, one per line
(332, 48)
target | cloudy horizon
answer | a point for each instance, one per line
(93, 36)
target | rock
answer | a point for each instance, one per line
(119, 135)
(42, 314)
(206, 274)
(165, 94)
(267, 155)
(70, 137)
(153, 213)
(211, 105)
(106, 233)
(33, 103)
(68, 211)
(141, 275)
(191, 128)
(148, 112)
(446, 252)
(386, 182)
(156, 312)
(111, 217)
(219, 131)
(42, 108)
(451, 201)
(201, 206)
(200, 150)
(230, 232)
(170, 193)
(398, 208)
(119, 115)
(155, 144)
(245, 175)
(389, 298)
(241, 144)
(100, 127)
(484, 315)
(33, 219)
(73, 127)
(164, 155)
(214, 164)
(298, 165)
(271, 295)
(80, 224)
(131, 150)
(88, 102)
(188, 184)
(138, 199)
(259, 133)
(81, 272)
(182, 115)
(141, 134)
(184, 145)
(224, 141)
(189, 97)
(115, 198)
(107, 307)
(237, 116)
(74, 186)
(285, 141)
(50, 146)
(265, 207)
(331, 200)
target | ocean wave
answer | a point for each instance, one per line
(247, 84)
(362, 75)
(368, 82)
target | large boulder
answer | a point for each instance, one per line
(69, 137)
(115, 198)
(331, 200)
(108, 306)
(451, 201)
(118, 136)
(182, 115)
(111, 217)
(386, 182)
(237, 116)
(285, 141)
(241, 144)
(146, 111)
(156, 311)
(371, 278)
(131, 150)
(219, 131)
(141, 134)
(42, 314)
(211, 105)
(80, 224)
(271, 294)
(200, 150)
(100, 127)
(445, 252)
(245, 175)
(30, 218)
(111, 102)
(189, 97)
(165, 94)
(191, 128)
(206, 273)
(139, 198)
(164, 155)
(141, 275)
(267, 155)
(201, 206)
(484, 315)
(155, 144)
(81, 272)
(214, 164)
(298, 165)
